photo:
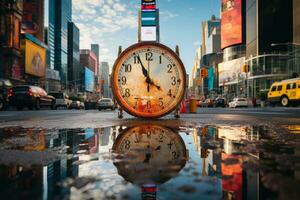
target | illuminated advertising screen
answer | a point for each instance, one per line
(230, 72)
(35, 59)
(89, 80)
(148, 5)
(231, 23)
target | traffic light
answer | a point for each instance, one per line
(245, 68)
(199, 81)
(204, 153)
(203, 73)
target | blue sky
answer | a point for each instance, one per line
(111, 23)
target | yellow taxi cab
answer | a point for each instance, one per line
(285, 92)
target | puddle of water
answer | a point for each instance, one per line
(151, 162)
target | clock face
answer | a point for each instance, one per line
(149, 153)
(148, 80)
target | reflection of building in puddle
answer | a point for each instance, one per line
(149, 154)
(294, 129)
(36, 172)
(210, 159)
(104, 134)
(89, 141)
(226, 164)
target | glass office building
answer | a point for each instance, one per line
(74, 70)
(269, 32)
(60, 13)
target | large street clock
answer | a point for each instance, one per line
(148, 80)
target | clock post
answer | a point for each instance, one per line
(177, 113)
(120, 109)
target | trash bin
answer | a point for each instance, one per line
(193, 105)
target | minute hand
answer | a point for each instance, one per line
(145, 72)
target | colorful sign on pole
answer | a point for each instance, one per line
(148, 4)
(149, 30)
(148, 33)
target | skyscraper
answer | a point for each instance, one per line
(60, 13)
(74, 69)
(105, 79)
(209, 56)
(95, 49)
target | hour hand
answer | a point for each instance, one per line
(145, 72)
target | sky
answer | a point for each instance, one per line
(111, 23)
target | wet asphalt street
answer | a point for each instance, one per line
(218, 153)
(95, 119)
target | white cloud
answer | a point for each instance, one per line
(165, 15)
(100, 20)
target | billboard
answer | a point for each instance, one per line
(148, 5)
(35, 59)
(231, 23)
(148, 33)
(230, 72)
(89, 80)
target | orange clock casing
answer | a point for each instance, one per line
(148, 80)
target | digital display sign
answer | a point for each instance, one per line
(230, 72)
(148, 4)
(231, 23)
(89, 80)
(148, 33)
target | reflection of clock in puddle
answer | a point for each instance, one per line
(149, 154)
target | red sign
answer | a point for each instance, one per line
(231, 23)
(148, 5)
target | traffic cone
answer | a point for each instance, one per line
(183, 106)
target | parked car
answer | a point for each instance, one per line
(208, 103)
(238, 102)
(220, 102)
(61, 99)
(30, 96)
(285, 92)
(75, 105)
(106, 103)
(5, 86)
(82, 105)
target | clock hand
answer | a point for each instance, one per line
(147, 155)
(145, 72)
(157, 86)
(157, 148)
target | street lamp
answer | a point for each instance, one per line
(287, 43)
